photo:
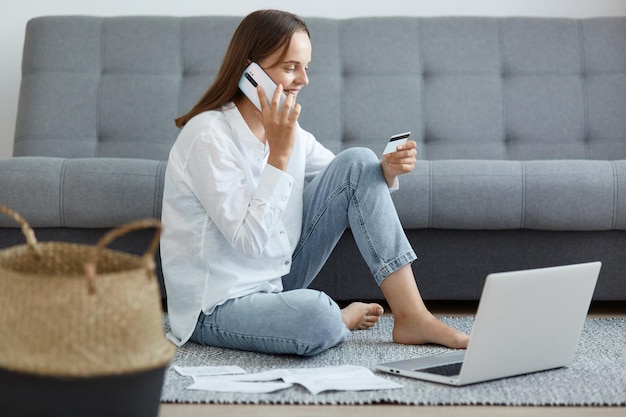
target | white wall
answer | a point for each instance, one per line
(13, 21)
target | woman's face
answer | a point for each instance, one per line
(291, 71)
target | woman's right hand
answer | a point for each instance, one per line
(280, 123)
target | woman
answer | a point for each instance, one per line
(253, 206)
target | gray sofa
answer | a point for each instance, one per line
(520, 124)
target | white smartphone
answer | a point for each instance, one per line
(395, 141)
(254, 76)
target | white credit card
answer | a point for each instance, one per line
(395, 141)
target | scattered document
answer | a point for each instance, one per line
(339, 378)
(217, 384)
(316, 380)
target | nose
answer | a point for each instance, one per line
(302, 77)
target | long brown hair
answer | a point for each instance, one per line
(259, 35)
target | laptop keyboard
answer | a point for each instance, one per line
(451, 369)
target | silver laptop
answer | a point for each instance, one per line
(527, 321)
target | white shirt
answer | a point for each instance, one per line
(230, 220)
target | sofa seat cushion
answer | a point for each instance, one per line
(568, 195)
(83, 192)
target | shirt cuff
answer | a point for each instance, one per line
(396, 185)
(274, 187)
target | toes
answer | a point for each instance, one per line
(375, 310)
(361, 316)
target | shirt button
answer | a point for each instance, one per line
(286, 263)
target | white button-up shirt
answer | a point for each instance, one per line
(230, 220)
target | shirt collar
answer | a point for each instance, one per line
(240, 128)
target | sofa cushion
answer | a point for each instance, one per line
(575, 195)
(467, 87)
(82, 192)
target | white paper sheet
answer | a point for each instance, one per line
(340, 378)
(218, 384)
(316, 380)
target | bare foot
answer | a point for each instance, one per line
(360, 316)
(426, 329)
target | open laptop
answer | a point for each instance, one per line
(527, 321)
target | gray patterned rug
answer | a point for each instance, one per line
(596, 378)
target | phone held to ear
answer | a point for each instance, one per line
(254, 76)
(395, 141)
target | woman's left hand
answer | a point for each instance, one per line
(399, 162)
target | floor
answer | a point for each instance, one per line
(617, 309)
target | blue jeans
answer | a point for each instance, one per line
(351, 191)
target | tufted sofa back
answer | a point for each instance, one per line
(471, 88)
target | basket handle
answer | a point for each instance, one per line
(27, 231)
(110, 236)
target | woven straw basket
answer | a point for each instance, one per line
(73, 310)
